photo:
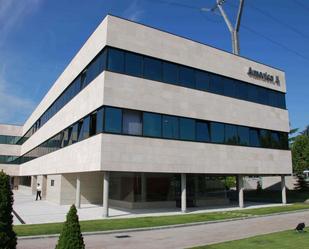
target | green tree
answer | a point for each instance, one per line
(7, 235)
(300, 154)
(71, 237)
(301, 184)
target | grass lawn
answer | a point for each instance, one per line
(281, 240)
(113, 224)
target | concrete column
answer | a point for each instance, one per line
(183, 193)
(143, 187)
(44, 186)
(77, 194)
(240, 183)
(34, 183)
(283, 189)
(105, 193)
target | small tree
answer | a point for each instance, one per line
(300, 154)
(71, 237)
(7, 235)
(301, 184)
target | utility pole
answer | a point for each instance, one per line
(233, 30)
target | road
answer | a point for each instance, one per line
(183, 237)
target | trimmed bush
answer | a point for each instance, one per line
(7, 235)
(71, 237)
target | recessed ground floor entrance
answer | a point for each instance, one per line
(139, 190)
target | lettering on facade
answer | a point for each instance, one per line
(264, 76)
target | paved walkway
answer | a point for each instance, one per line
(183, 237)
(35, 212)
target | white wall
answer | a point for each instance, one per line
(126, 91)
(128, 153)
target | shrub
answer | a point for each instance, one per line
(7, 235)
(71, 237)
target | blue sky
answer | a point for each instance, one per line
(38, 38)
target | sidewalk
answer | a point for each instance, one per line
(183, 237)
(36, 212)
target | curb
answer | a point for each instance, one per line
(163, 227)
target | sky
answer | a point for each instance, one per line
(38, 39)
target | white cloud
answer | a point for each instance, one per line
(134, 12)
(13, 108)
(12, 13)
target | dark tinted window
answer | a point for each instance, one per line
(86, 127)
(275, 140)
(229, 88)
(170, 73)
(134, 64)
(216, 84)
(281, 100)
(263, 96)
(217, 132)
(132, 122)
(242, 91)
(100, 119)
(273, 100)
(186, 76)
(243, 135)
(265, 138)
(170, 126)
(115, 60)
(95, 67)
(73, 138)
(254, 137)
(231, 134)
(284, 142)
(152, 69)
(152, 124)
(113, 120)
(253, 93)
(202, 80)
(202, 131)
(187, 128)
(93, 124)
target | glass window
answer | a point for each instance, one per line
(73, 137)
(253, 93)
(187, 128)
(281, 100)
(217, 132)
(231, 134)
(170, 126)
(132, 122)
(186, 77)
(202, 80)
(152, 69)
(115, 60)
(229, 88)
(95, 67)
(263, 96)
(275, 140)
(133, 64)
(265, 138)
(202, 131)
(284, 141)
(273, 100)
(93, 124)
(86, 127)
(254, 137)
(243, 135)
(83, 84)
(242, 91)
(216, 84)
(170, 72)
(112, 120)
(152, 124)
(100, 119)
